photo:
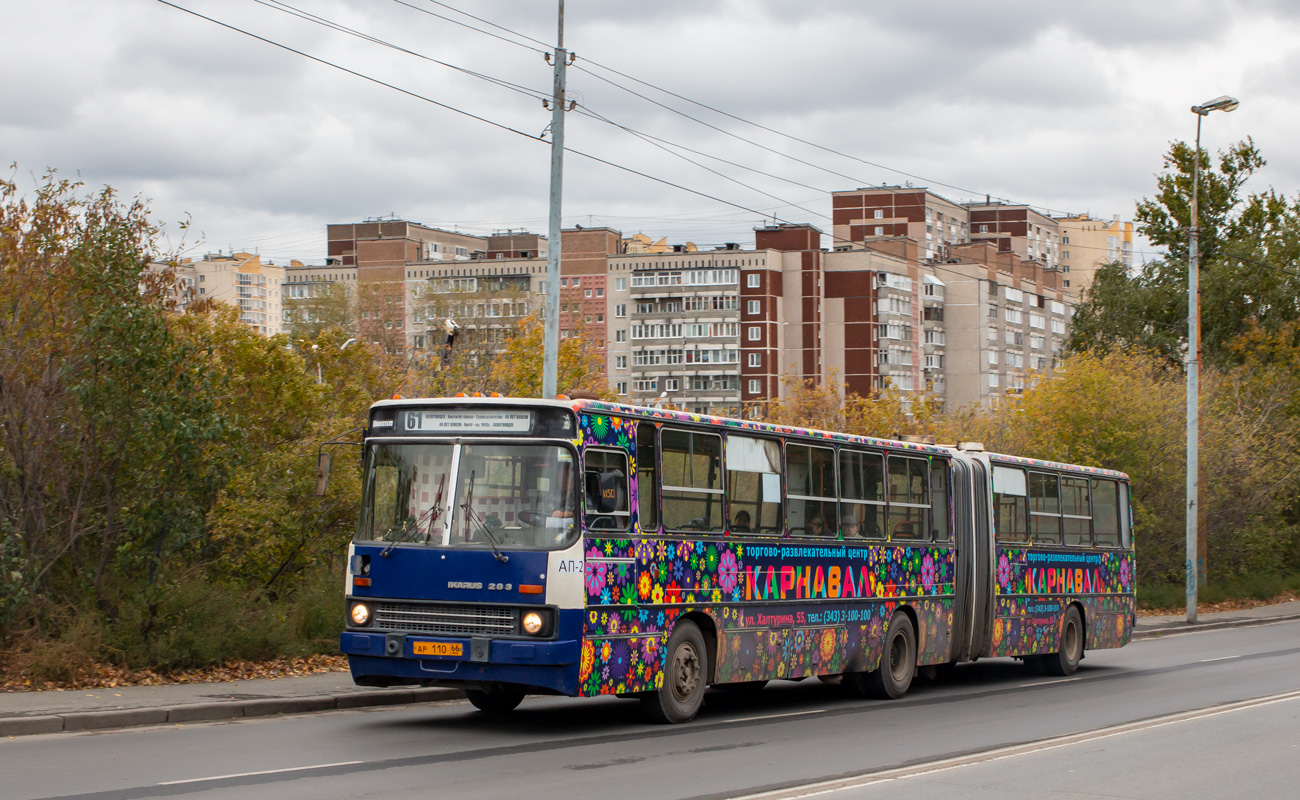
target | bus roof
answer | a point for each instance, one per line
(1002, 458)
(738, 424)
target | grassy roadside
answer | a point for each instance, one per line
(1250, 592)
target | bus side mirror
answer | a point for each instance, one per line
(322, 473)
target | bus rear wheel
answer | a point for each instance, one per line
(497, 701)
(1066, 660)
(897, 663)
(685, 673)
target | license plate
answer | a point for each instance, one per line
(439, 649)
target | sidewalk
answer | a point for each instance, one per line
(1151, 627)
(125, 706)
(98, 709)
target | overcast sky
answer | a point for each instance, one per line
(1067, 107)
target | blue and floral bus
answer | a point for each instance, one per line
(582, 548)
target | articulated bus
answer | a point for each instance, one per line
(511, 547)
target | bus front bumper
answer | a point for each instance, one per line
(377, 659)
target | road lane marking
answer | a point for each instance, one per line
(1220, 658)
(1049, 683)
(820, 788)
(260, 772)
(775, 716)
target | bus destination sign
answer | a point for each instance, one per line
(455, 420)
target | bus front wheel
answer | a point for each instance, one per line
(496, 701)
(1066, 660)
(897, 663)
(685, 672)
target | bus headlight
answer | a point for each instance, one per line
(533, 623)
(360, 614)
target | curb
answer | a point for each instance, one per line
(1183, 627)
(207, 712)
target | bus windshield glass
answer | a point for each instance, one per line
(513, 496)
(505, 495)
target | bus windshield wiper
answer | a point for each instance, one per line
(470, 516)
(411, 532)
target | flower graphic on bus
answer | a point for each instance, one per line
(595, 574)
(728, 571)
(588, 660)
(643, 585)
(1004, 572)
(927, 573)
(644, 551)
(1124, 573)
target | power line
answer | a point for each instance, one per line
(575, 152)
(285, 8)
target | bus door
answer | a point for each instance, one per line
(973, 616)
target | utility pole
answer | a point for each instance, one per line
(551, 314)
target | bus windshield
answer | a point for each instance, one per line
(505, 495)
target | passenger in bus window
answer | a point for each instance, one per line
(817, 526)
(741, 525)
(851, 528)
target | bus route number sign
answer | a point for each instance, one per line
(469, 421)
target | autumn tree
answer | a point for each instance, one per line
(1247, 244)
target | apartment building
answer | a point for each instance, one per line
(242, 280)
(1017, 229)
(1005, 318)
(1088, 243)
(888, 212)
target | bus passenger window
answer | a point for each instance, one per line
(1105, 513)
(1076, 511)
(754, 485)
(939, 511)
(1044, 508)
(1125, 517)
(605, 491)
(1010, 510)
(862, 494)
(810, 472)
(647, 502)
(909, 499)
(691, 481)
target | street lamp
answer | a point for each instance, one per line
(1195, 565)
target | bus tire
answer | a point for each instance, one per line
(494, 702)
(897, 663)
(686, 672)
(1066, 660)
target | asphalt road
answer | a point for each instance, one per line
(788, 735)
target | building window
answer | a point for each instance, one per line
(984, 229)
(880, 231)
(993, 357)
(563, 281)
(754, 306)
(755, 333)
(585, 292)
(576, 281)
(600, 292)
(620, 310)
(754, 386)
(756, 359)
(620, 284)
(670, 385)
(620, 362)
(621, 387)
(620, 336)
(753, 279)
(878, 214)
(600, 317)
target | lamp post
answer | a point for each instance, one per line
(1195, 564)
